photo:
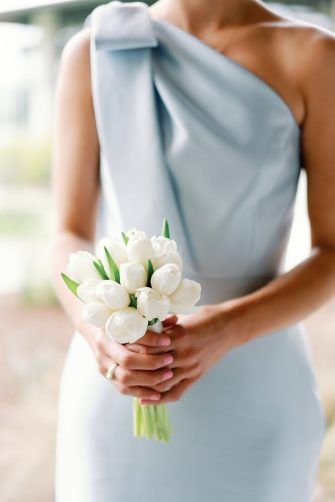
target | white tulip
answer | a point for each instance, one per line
(152, 304)
(139, 248)
(86, 291)
(167, 257)
(113, 294)
(166, 278)
(185, 296)
(132, 231)
(80, 266)
(132, 276)
(116, 249)
(96, 313)
(162, 243)
(126, 325)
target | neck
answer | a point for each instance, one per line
(212, 13)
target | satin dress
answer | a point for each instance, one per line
(187, 133)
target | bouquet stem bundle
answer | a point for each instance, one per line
(151, 421)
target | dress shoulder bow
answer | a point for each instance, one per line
(117, 25)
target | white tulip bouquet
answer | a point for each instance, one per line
(133, 283)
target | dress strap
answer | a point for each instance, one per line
(117, 25)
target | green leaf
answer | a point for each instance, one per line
(71, 284)
(165, 229)
(125, 238)
(113, 268)
(133, 300)
(153, 321)
(103, 268)
(150, 272)
(100, 270)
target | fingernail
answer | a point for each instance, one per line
(155, 397)
(165, 341)
(168, 359)
(167, 374)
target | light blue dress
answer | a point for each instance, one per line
(187, 133)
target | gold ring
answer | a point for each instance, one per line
(110, 375)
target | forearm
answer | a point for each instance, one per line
(286, 299)
(63, 244)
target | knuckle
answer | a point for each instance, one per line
(163, 386)
(186, 337)
(144, 394)
(124, 377)
(158, 379)
(189, 353)
(127, 360)
(101, 369)
(195, 369)
(100, 361)
(123, 389)
(151, 362)
(99, 343)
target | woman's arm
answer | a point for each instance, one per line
(200, 340)
(74, 165)
(302, 290)
(75, 184)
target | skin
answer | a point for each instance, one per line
(271, 47)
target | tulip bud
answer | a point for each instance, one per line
(113, 294)
(166, 278)
(167, 257)
(86, 291)
(80, 266)
(116, 249)
(162, 243)
(139, 248)
(132, 276)
(96, 313)
(126, 325)
(185, 296)
(152, 304)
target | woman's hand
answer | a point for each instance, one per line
(137, 373)
(198, 341)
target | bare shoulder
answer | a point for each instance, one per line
(313, 54)
(305, 41)
(75, 61)
(303, 52)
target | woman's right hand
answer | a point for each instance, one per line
(137, 372)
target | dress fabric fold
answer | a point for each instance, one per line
(189, 134)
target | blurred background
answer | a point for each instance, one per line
(35, 332)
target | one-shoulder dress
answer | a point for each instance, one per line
(189, 134)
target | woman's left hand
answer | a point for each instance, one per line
(198, 341)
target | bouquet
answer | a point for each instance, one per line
(133, 283)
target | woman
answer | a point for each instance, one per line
(203, 112)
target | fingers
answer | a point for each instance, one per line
(134, 361)
(135, 383)
(145, 349)
(172, 395)
(170, 320)
(142, 378)
(153, 339)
